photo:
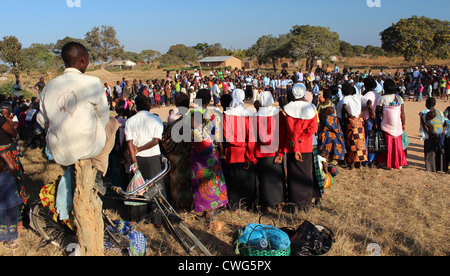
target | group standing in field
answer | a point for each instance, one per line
(235, 138)
(287, 145)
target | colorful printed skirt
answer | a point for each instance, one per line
(180, 181)
(331, 138)
(356, 141)
(208, 182)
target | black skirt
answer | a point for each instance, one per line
(300, 179)
(435, 158)
(271, 182)
(242, 186)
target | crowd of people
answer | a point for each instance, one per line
(293, 134)
(235, 139)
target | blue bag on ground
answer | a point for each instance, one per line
(138, 243)
(255, 233)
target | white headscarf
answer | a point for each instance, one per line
(266, 101)
(299, 91)
(300, 109)
(237, 106)
(238, 97)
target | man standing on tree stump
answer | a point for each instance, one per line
(75, 112)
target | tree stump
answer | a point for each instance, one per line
(87, 209)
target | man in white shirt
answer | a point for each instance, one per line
(74, 109)
(143, 133)
(75, 112)
(300, 75)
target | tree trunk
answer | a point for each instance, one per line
(274, 65)
(87, 209)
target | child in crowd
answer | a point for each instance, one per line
(172, 117)
(157, 98)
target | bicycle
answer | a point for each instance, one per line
(60, 234)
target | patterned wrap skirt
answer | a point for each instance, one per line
(356, 141)
(331, 138)
(208, 182)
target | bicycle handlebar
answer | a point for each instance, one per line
(148, 183)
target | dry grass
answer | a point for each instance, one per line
(406, 212)
(387, 63)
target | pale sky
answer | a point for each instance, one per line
(156, 25)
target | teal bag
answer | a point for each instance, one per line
(405, 140)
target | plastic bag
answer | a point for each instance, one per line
(311, 240)
(136, 182)
(255, 233)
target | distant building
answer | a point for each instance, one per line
(122, 64)
(222, 61)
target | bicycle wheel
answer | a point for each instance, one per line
(176, 227)
(51, 231)
(187, 239)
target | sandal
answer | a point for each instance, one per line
(11, 245)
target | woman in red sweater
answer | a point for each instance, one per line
(238, 131)
(301, 125)
(270, 132)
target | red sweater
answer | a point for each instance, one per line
(270, 136)
(238, 132)
(299, 134)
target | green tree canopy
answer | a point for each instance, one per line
(150, 55)
(206, 50)
(312, 41)
(269, 49)
(103, 44)
(40, 57)
(11, 53)
(346, 49)
(374, 51)
(418, 38)
(178, 54)
(132, 56)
